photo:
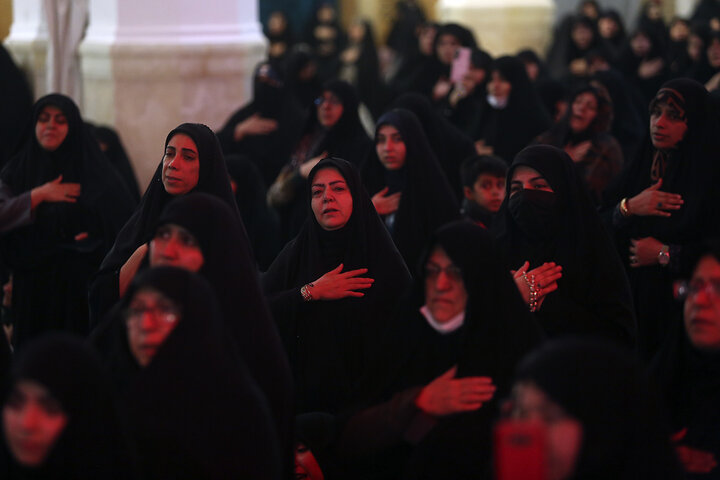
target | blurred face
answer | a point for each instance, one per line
(584, 111)
(33, 420)
(640, 44)
(528, 178)
(181, 165)
(488, 191)
(51, 128)
(590, 10)
(175, 246)
(476, 75)
(446, 47)
(679, 31)
(582, 36)
(326, 14)
(390, 147)
(331, 199)
(563, 432)
(357, 32)
(695, 46)
(702, 306)
(329, 109)
(445, 293)
(426, 39)
(667, 125)
(149, 320)
(498, 87)
(713, 53)
(532, 70)
(608, 27)
(306, 467)
(277, 23)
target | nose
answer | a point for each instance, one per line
(29, 418)
(442, 282)
(170, 248)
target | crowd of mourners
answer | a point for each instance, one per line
(413, 261)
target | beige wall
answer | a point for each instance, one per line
(5, 18)
(379, 12)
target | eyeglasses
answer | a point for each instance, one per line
(168, 314)
(331, 100)
(682, 289)
(433, 271)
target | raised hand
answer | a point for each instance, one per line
(56, 191)
(546, 277)
(385, 204)
(254, 125)
(337, 284)
(447, 395)
(652, 201)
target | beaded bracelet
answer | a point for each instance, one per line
(533, 302)
(305, 292)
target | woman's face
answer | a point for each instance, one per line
(679, 31)
(150, 318)
(713, 53)
(526, 178)
(306, 466)
(563, 432)
(702, 306)
(51, 128)
(329, 109)
(498, 86)
(582, 36)
(695, 46)
(445, 294)
(331, 199)
(446, 47)
(640, 44)
(181, 165)
(608, 27)
(175, 246)
(33, 421)
(584, 111)
(667, 125)
(390, 147)
(357, 32)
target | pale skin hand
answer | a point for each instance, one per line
(483, 149)
(578, 152)
(337, 284)
(644, 251)
(447, 395)
(54, 191)
(254, 125)
(128, 271)
(650, 68)
(652, 201)
(546, 277)
(693, 459)
(385, 204)
(307, 166)
(441, 89)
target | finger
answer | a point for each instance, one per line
(58, 179)
(354, 294)
(450, 373)
(337, 269)
(523, 267)
(656, 185)
(467, 407)
(546, 289)
(383, 191)
(352, 273)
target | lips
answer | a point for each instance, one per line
(330, 210)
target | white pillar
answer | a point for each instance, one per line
(27, 42)
(503, 26)
(149, 66)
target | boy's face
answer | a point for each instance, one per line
(488, 191)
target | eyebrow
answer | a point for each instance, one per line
(331, 183)
(189, 150)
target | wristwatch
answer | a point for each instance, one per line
(664, 256)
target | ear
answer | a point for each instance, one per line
(467, 191)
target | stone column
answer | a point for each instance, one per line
(502, 26)
(148, 67)
(27, 42)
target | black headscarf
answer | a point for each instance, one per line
(427, 200)
(689, 171)
(17, 101)
(92, 444)
(271, 100)
(194, 410)
(328, 341)
(593, 296)
(497, 332)
(261, 222)
(303, 90)
(523, 118)
(52, 268)
(450, 145)
(117, 156)
(213, 178)
(608, 392)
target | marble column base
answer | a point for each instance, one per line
(144, 90)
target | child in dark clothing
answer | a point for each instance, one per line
(483, 180)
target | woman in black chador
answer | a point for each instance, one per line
(59, 416)
(64, 205)
(665, 203)
(333, 287)
(446, 364)
(512, 114)
(408, 187)
(548, 220)
(267, 128)
(192, 408)
(192, 161)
